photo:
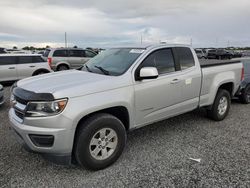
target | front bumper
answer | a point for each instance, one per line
(61, 148)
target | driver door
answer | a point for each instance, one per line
(157, 99)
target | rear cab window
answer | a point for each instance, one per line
(185, 57)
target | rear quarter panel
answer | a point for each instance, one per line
(215, 76)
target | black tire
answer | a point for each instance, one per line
(88, 130)
(62, 68)
(40, 73)
(213, 113)
(245, 96)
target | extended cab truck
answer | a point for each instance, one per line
(84, 114)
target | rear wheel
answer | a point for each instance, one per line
(62, 68)
(245, 96)
(221, 105)
(99, 141)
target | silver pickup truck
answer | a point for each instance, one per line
(83, 115)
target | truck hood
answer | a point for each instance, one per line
(72, 83)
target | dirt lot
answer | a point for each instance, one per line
(155, 156)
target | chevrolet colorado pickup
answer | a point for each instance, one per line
(83, 115)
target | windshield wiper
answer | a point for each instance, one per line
(103, 70)
(87, 68)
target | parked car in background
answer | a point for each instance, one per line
(88, 112)
(67, 58)
(1, 95)
(246, 53)
(219, 54)
(3, 51)
(244, 91)
(235, 54)
(18, 66)
(200, 54)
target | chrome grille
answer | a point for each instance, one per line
(19, 114)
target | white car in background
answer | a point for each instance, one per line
(18, 66)
(1, 95)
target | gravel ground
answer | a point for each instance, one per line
(155, 156)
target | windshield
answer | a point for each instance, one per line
(113, 62)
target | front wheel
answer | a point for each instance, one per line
(221, 105)
(99, 141)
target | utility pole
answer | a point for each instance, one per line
(65, 39)
(191, 41)
(141, 38)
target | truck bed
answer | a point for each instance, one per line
(215, 62)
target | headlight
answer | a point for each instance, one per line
(43, 109)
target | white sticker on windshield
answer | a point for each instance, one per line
(137, 51)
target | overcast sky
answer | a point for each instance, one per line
(108, 23)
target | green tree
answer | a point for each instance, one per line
(26, 48)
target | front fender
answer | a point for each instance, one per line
(79, 107)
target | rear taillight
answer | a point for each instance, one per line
(242, 74)
(49, 61)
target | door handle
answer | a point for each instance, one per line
(32, 66)
(11, 67)
(175, 81)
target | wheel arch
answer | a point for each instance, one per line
(62, 63)
(229, 86)
(120, 112)
(40, 70)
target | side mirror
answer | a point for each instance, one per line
(148, 73)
